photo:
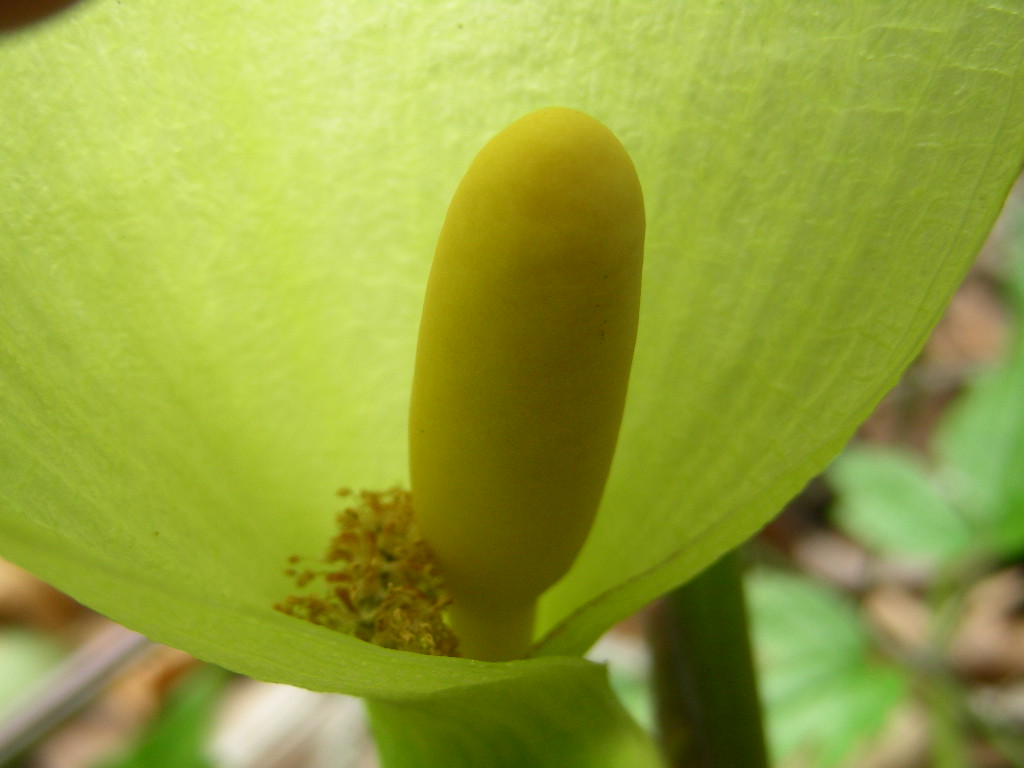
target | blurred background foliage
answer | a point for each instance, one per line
(888, 601)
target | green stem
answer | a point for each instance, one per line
(709, 713)
(949, 742)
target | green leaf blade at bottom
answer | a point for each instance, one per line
(563, 717)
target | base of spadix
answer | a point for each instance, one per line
(492, 632)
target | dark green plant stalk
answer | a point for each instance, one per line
(708, 710)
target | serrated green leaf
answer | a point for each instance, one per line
(823, 693)
(827, 725)
(888, 501)
(801, 630)
(217, 226)
(981, 444)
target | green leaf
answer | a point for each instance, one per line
(178, 738)
(842, 716)
(981, 443)
(217, 226)
(889, 502)
(824, 695)
(567, 717)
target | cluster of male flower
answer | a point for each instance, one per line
(378, 579)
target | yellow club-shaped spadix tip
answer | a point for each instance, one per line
(524, 353)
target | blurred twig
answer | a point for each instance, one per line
(68, 689)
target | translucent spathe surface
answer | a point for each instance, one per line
(217, 226)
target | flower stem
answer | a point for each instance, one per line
(709, 714)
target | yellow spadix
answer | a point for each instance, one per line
(524, 352)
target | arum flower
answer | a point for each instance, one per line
(216, 232)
